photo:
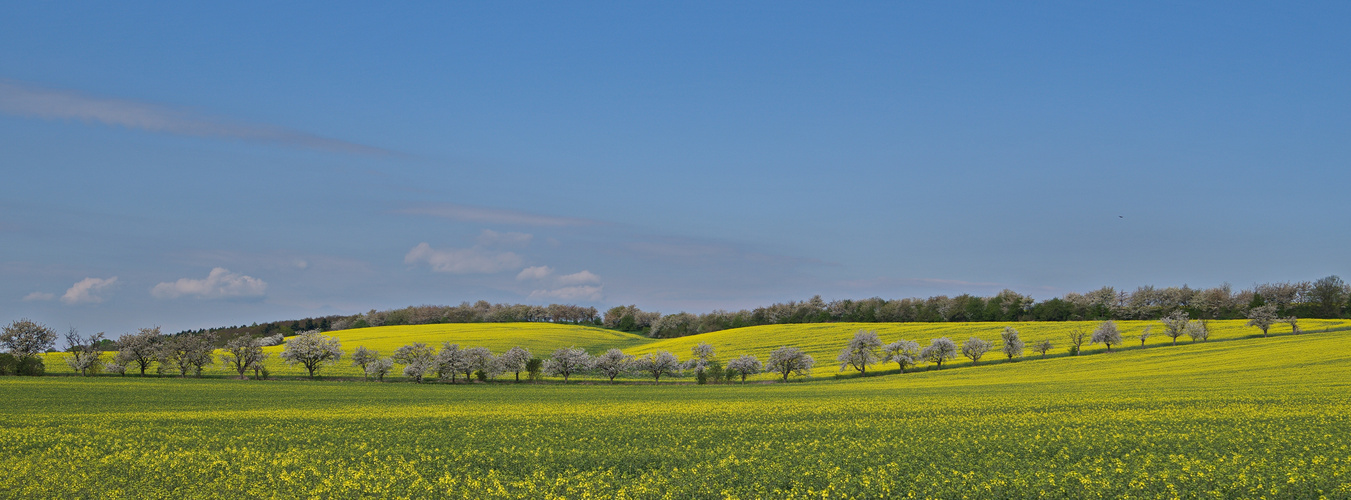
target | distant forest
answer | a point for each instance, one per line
(1324, 298)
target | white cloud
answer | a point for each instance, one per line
(581, 278)
(534, 273)
(38, 296)
(591, 293)
(491, 238)
(220, 283)
(462, 260)
(465, 213)
(583, 285)
(53, 104)
(87, 290)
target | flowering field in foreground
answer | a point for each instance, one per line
(1254, 418)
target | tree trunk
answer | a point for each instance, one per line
(518, 376)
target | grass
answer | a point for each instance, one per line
(1259, 418)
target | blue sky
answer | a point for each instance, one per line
(193, 166)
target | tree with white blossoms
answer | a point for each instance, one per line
(481, 360)
(1041, 347)
(657, 364)
(418, 360)
(25, 339)
(453, 360)
(1144, 335)
(515, 359)
(861, 351)
(700, 357)
(312, 350)
(141, 348)
(363, 357)
(187, 353)
(1197, 331)
(1262, 317)
(379, 368)
(786, 361)
(567, 361)
(1013, 343)
(85, 357)
(939, 350)
(613, 363)
(1107, 333)
(974, 348)
(903, 352)
(243, 353)
(1175, 324)
(115, 367)
(744, 365)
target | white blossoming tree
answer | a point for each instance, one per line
(613, 363)
(418, 359)
(861, 351)
(1012, 342)
(974, 348)
(1107, 333)
(242, 354)
(1175, 325)
(187, 353)
(744, 365)
(567, 361)
(312, 350)
(659, 363)
(141, 349)
(515, 360)
(1262, 317)
(451, 360)
(787, 361)
(939, 350)
(379, 368)
(903, 352)
(363, 357)
(85, 356)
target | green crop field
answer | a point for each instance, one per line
(821, 340)
(1235, 417)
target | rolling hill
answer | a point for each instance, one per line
(821, 340)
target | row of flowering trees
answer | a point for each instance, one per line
(866, 349)
(185, 354)
(454, 363)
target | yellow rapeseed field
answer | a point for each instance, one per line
(1242, 418)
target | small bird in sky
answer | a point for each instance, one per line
(1121, 217)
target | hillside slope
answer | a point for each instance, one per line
(821, 340)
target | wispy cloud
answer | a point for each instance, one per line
(38, 296)
(466, 213)
(219, 283)
(591, 293)
(474, 260)
(534, 273)
(581, 278)
(29, 100)
(88, 290)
